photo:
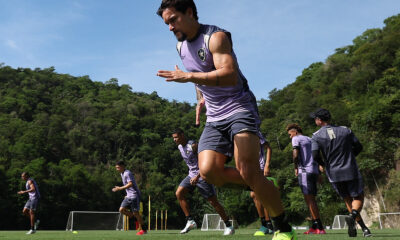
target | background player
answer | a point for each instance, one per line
(188, 151)
(31, 205)
(132, 198)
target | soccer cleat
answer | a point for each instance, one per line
(141, 232)
(320, 231)
(32, 231)
(352, 231)
(311, 231)
(367, 232)
(285, 235)
(36, 224)
(191, 224)
(229, 231)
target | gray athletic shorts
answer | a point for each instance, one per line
(32, 204)
(206, 190)
(308, 183)
(352, 188)
(218, 136)
(131, 203)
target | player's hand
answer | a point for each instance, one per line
(115, 189)
(21, 192)
(266, 171)
(174, 76)
(194, 180)
(296, 172)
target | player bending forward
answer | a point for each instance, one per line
(132, 198)
(188, 151)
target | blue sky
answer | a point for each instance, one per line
(273, 40)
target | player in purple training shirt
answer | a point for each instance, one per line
(207, 54)
(307, 171)
(132, 198)
(31, 205)
(188, 151)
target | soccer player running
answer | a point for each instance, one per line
(339, 147)
(265, 160)
(207, 54)
(306, 170)
(132, 198)
(31, 205)
(188, 151)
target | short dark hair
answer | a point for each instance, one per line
(179, 5)
(178, 131)
(322, 114)
(294, 126)
(121, 163)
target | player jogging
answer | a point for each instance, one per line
(207, 54)
(188, 151)
(31, 205)
(339, 147)
(307, 172)
(265, 160)
(132, 198)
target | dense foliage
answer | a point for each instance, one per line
(69, 131)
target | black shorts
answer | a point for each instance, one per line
(352, 188)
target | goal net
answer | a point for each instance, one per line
(339, 222)
(389, 220)
(88, 220)
(213, 222)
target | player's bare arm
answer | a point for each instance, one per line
(268, 159)
(31, 189)
(117, 188)
(296, 160)
(195, 179)
(199, 106)
(226, 67)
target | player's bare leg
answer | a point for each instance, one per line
(213, 170)
(180, 195)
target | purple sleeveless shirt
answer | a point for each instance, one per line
(190, 158)
(306, 163)
(221, 102)
(132, 192)
(36, 193)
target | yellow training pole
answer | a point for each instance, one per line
(166, 217)
(149, 213)
(162, 219)
(156, 218)
(141, 214)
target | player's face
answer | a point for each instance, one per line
(292, 133)
(24, 177)
(178, 138)
(177, 22)
(318, 121)
(119, 168)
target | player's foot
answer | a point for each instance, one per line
(352, 231)
(229, 231)
(366, 232)
(285, 235)
(32, 231)
(141, 232)
(191, 224)
(320, 231)
(311, 231)
(36, 224)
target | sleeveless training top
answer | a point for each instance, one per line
(36, 193)
(190, 158)
(221, 102)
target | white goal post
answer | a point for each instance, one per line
(213, 222)
(389, 220)
(92, 220)
(339, 222)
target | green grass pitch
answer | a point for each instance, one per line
(386, 234)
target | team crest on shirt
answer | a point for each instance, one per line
(202, 54)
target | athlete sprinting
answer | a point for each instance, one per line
(31, 205)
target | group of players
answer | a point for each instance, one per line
(232, 130)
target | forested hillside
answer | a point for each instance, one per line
(68, 132)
